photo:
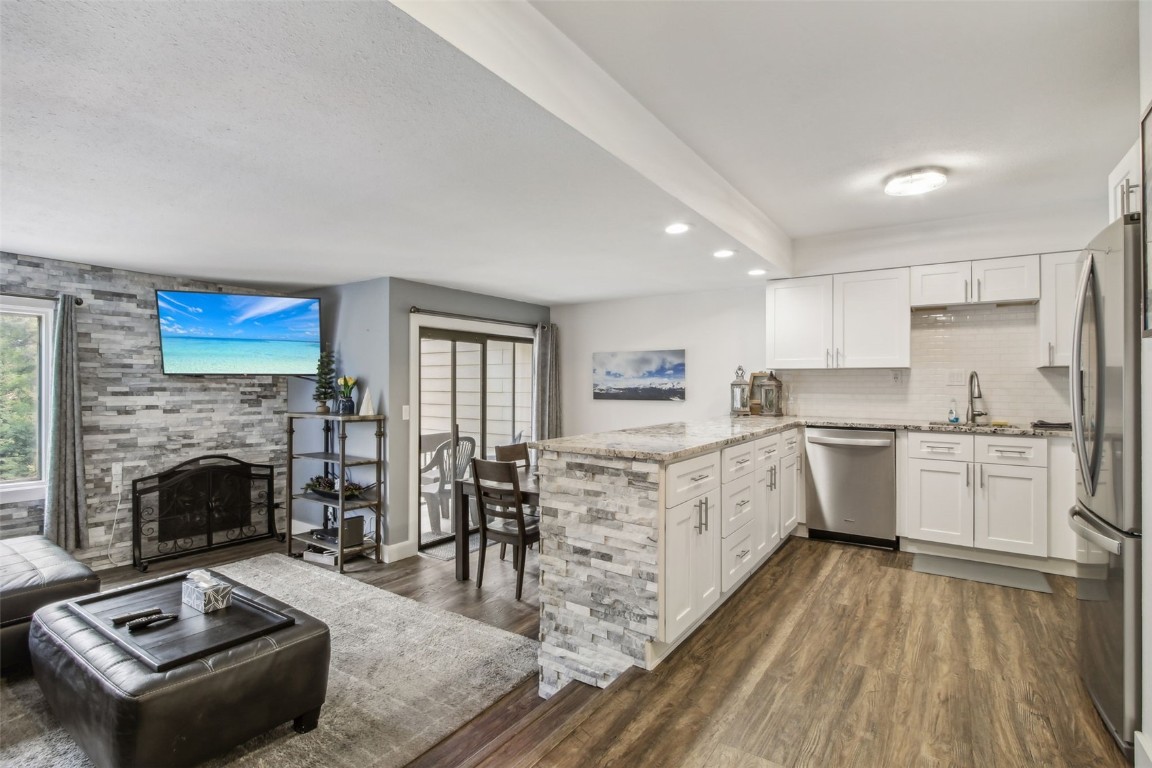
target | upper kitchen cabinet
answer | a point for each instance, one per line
(988, 281)
(1124, 184)
(1059, 275)
(855, 320)
(799, 314)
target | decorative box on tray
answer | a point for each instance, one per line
(203, 592)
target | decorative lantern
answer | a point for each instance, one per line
(740, 394)
(771, 392)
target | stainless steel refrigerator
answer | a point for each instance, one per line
(1105, 389)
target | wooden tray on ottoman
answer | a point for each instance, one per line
(191, 636)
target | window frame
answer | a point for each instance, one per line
(31, 490)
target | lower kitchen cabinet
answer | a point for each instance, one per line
(737, 557)
(766, 523)
(692, 573)
(789, 502)
(1011, 510)
(939, 503)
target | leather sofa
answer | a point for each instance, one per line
(122, 714)
(33, 573)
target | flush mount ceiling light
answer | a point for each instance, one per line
(915, 182)
(677, 228)
(724, 253)
(757, 272)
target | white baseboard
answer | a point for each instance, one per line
(1042, 564)
(1143, 751)
(395, 552)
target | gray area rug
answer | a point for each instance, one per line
(1000, 575)
(402, 677)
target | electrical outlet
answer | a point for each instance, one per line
(955, 377)
(117, 476)
(897, 376)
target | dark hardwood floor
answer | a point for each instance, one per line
(830, 656)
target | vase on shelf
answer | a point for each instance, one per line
(345, 406)
(322, 408)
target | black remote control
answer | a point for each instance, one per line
(124, 618)
(138, 624)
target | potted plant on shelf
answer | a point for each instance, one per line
(326, 485)
(346, 405)
(325, 373)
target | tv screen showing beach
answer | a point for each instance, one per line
(227, 333)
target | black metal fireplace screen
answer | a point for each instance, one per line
(204, 503)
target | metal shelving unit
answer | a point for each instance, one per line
(336, 460)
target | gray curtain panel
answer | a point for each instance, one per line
(66, 516)
(547, 406)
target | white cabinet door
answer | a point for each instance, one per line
(766, 523)
(936, 285)
(1011, 510)
(1013, 279)
(691, 547)
(1061, 497)
(738, 557)
(737, 504)
(872, 325)
(1059, 274)
(1123, 185)
(939, 503)
(799, 323)
(789, 475)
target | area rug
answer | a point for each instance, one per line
(1000, 575)
(402, 677)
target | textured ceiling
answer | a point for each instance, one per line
(805, 107)
(306, 143)
(314, 143)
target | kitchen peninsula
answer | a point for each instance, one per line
(645, 531)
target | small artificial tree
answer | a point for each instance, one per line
(325, 380)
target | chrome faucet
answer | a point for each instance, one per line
(974, 394)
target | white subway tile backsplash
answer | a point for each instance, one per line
(1000, 343)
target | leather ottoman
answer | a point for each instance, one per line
(124, 714)
(33, 573)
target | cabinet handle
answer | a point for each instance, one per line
(706, 511)
(698, 478)
(1051, 354)
(742, 503)
(699, 516)
(827, 358)
(981, 476)
(968, 475)
(837, 357)
(979, 290)
(743, 554)
(772, 485)
(965, 291)
(940, 448)
(742, 462)
(1013, 451)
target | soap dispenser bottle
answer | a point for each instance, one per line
(953, 417)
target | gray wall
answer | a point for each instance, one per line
(132, 412)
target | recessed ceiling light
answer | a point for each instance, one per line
(724, 253)
(915, 182)
(757, 272)
(677, 228)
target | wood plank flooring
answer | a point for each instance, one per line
(829, 656)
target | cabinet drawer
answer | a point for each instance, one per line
(789, 442)
(1020, 451)
(737, 557)
(737, 503)
(691, 477)
(737, 460)
(939, 445)
(766, 449)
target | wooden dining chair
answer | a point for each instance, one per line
(501, 514)
(517, 452)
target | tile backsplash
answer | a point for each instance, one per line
(1000, 343)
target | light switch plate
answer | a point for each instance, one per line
(955, 377)
(405, 412)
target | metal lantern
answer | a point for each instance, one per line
(740, 390)
(771, 392)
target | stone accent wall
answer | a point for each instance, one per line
(598, 567)
(132, 412)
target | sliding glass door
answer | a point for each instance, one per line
(481, 385)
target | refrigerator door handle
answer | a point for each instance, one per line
(1076, 380)
(1084, 530)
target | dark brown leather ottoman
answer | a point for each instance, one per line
(122, 713)
(33, 573)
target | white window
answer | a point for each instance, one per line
(25, 386)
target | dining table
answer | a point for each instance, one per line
(465, 491)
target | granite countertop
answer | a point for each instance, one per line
(678, 440)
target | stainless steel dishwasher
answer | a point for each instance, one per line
(851, 490)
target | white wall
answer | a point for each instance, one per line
(1045, 230)
(718, 330)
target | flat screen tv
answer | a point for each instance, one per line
(237, 334)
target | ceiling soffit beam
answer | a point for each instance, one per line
(519, 45)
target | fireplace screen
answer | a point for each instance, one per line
(204, 503)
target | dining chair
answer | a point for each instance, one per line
(501, 513)
(450, 465)
(518, 453)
